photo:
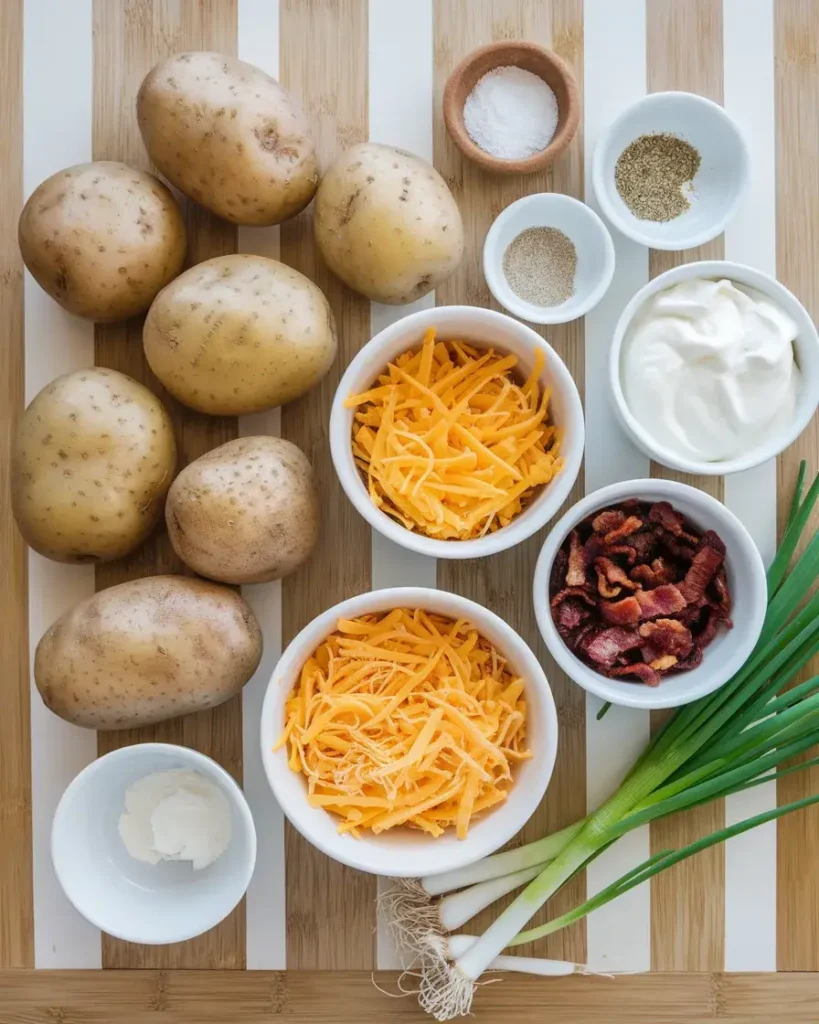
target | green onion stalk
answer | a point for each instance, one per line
(724, 743)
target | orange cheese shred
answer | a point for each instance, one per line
(450, 443)
(406, 718)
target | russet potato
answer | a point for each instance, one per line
(239, 334)
(246, 512)
(102, 239)
(92, 460)
(228, 136)
(147, 650)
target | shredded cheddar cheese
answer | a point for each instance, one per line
(405, 718)
(451, 445)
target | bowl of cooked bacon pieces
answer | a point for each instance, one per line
(650, 593)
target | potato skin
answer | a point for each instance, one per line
(102, 239)
(92, 460)
(246, 512)
(239, 334)
(387, 224)
(227, 135)
(145, 651)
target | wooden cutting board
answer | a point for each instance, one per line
(715, 929)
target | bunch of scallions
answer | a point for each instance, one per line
(726, 742)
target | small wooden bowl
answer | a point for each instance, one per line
(540, 61)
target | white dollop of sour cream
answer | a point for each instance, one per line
(176, 815)
(708, 369)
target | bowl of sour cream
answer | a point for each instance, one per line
(714, 368)
(153, 843)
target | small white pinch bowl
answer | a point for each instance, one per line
(406, 852)
(591, 238)
(482, 328)
(806, 349)
(719, 183)
(137, 902)
(746, 581)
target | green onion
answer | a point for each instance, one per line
(724, 743)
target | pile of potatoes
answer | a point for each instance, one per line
(94, 457)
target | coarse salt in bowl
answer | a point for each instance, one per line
(407, 852)
(482, 328)
(730, 649)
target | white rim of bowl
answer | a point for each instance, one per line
(493, 270)
(710, 269)
(226, 780)
(678, 242)
(413, 597)
(341, 421)
(718, 514)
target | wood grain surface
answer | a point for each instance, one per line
(346, 997)
(16, 909)
(687, 902)
(797, 259)
(502, 582)
(330, 908)
(129, 38)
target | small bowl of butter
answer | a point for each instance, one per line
(153, 843)
(714, 368)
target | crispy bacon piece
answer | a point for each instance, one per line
(713, 618)
(631, 525)
(608, 645)
(645, 673)
(644, 545)
(621, 613)
(682, 552)
(671, 520)
(608, 520)
(653, 575)
(666, 636)
(700, 573)
(711, 540)
(613, 574)
(719, 585)
(663, 663)
(576, 574)
(628, 552)
(571, 613)
(557, 577)
(664, 600)
(580, 592)
(694, 660)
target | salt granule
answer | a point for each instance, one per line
(511, 113)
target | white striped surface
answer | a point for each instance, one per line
(400, 114)
(619, 934)
(750, 859)
(56, 133)
(58, 37)
(258, 43)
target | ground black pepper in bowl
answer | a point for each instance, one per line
(539, 266)
(654, 176)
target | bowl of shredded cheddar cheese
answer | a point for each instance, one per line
(408, 731)
(457, 432)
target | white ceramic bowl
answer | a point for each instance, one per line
(727, 652)
(806, 348)
(482, 327)
(137, 902)
(718, 185)
(595, 254)
(405, 852)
